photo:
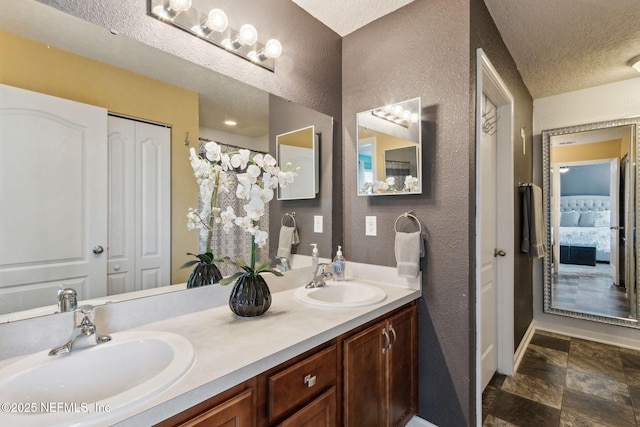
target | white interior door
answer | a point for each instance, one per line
(53, 165)
(139, 205)
(614, 221)
(487, 246)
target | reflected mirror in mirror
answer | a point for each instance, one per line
(389, 150)
(87, 64)
(298, 150)
(590, 192)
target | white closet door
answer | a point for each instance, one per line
(53, 198)
(140, 204)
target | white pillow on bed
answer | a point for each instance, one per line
(587, 219)
(569, 219)
(601, 218)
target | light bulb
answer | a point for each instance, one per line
(217, 20)
(247, 35)
(273, 49)
(179, 5)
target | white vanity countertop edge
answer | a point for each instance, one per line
(230, 350)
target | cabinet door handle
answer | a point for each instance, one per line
(310, 380)
(386, 335)
(395, 337)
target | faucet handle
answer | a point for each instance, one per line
(83, 315)
(67, 299)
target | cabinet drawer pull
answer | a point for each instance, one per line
(395, 337)
(310, 380)
(386, 335)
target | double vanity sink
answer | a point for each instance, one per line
(141, 369)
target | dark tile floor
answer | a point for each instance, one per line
(567, 382)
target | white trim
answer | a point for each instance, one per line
(490, 83)
(522, 348)
(416, 421)
(603, 338)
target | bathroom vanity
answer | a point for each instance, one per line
(365, 377)
(297, 363)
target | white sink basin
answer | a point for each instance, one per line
(341, 294)
(91, 385)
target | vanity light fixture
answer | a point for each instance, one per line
(635, 63)
(172, 8)
(396, 114)
(213, 26)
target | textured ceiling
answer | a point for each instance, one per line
(565, 45)
(346, 16)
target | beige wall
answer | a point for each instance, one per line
(37, 67)
(593, 151)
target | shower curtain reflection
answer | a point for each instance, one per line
(235, 243)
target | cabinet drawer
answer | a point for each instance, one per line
(297, 384)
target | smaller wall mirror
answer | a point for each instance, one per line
(299, 148)
(389, 150)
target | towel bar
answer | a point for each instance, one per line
(407, 215)
(293, 217)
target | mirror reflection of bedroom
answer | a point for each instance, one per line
(592, 193)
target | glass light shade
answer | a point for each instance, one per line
(217, 20)
(273, 49)
(179, 5)
(247, 35)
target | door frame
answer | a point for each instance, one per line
(489, 82)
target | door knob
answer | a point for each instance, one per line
(98, 250)
(500, 252)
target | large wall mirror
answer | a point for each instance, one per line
(53, 53)
(590, 193)
(389, 150)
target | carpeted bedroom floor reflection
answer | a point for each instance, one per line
(589, 289)
(566, 382)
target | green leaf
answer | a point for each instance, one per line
(189, 263)
(263, 266)
(272, 271)
(231, 278)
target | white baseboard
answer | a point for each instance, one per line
(522, 348)
(416, 421)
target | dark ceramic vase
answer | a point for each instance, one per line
(204, 274)
(250, 296)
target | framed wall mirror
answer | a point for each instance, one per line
(389, 150)
(298, 149)
(590, 191)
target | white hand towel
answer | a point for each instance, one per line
(408, 249)
(288, 237)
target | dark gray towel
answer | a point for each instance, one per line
(533, 230)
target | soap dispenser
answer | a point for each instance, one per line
(315, 256)
(339, 265)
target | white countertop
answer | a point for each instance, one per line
(229, 349)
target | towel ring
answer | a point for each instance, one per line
(407, 215)
(293, 217)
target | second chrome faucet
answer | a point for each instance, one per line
(84, 333)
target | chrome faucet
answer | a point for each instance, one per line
(67, 299)
(319, 276)
(84, 332)
(284, 263)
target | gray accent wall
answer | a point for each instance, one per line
(485, 35)
(422, 50)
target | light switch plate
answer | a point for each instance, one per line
(371, 228)
(317, 223)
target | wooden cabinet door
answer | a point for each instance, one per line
(401, 367)
(319, 413)
(364, 378)
(235, 412)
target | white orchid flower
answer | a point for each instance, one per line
(285, 178)
(213, 151)
(241, 159)
(254, 172)
(255, 208)
(260, 238)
